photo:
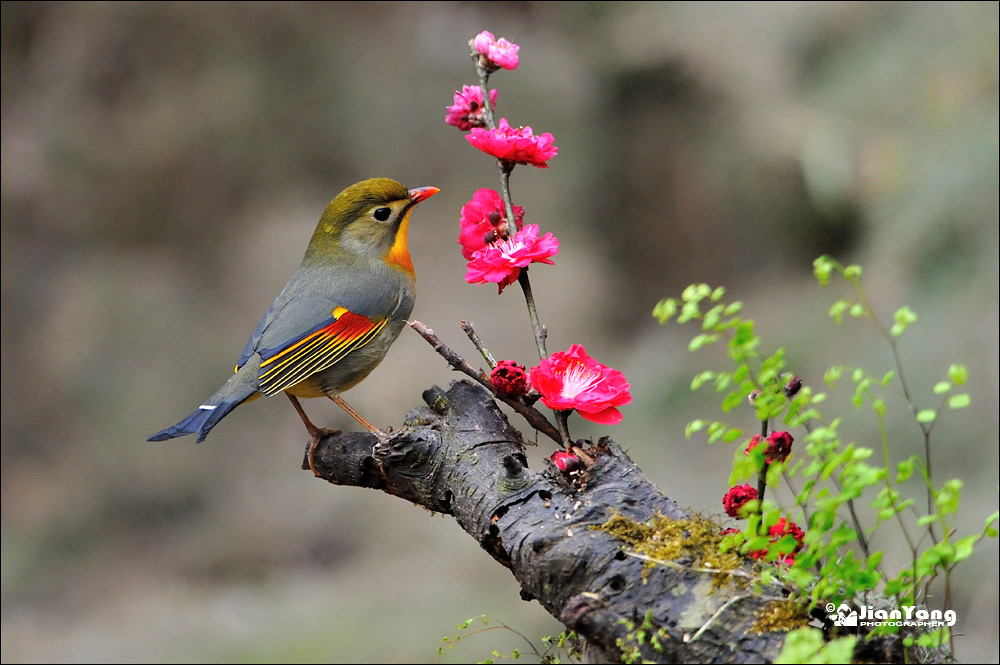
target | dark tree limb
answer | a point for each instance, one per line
(460, 456)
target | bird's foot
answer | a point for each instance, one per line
(317, 435)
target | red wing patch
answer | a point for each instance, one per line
(315, 351)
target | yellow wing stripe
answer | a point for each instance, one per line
(318, 351)
(323, 359)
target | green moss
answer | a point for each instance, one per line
(687, 543)
(780, 616)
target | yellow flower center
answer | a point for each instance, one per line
(578, 378)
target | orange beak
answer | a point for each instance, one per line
(418, 194)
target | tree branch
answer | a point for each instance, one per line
(460, 456)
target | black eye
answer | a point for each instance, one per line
(382, 214)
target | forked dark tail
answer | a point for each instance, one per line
(240, 387)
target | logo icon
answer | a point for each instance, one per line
(842, 616)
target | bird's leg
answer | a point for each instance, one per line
(379, 434)
(315, 432)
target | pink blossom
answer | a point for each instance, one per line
(573, 380)
(496, 52)
(514, 145)
(483, 217)
(501, 262)
(467, 111)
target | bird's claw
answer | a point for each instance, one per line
(317, 435)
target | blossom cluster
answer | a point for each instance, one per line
(499, 246)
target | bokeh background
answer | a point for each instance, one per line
(164, 165)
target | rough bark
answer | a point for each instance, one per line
(460, 456)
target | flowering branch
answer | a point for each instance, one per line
(529, 413)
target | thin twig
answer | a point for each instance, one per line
(471, 332)
(683, 568)
(562, 418)
(924, 427)
(536, 325)
(532, 415)
(716, 616)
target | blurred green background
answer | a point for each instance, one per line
(164, 165)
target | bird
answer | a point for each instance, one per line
(336, 318)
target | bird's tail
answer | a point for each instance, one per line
(240, 387)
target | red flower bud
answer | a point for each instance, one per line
(779, 446)
(509, 378)
(737, 497)
(726, 532)
(566, 462)
(792, 386)
(780, 529)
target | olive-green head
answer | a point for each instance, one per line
(370, 219)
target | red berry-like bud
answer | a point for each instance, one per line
(780, 529)
(779, 446)
(509, 378)
(565, 461)
(730, 530)
(792, 386)
(737, 497)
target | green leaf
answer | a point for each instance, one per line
(732, 308)
(852, 272)
(723, 381)
(689, 310)
(941, 387)
(837, 311)
(665, 309)
(732, 435)
(822, 267)
(958, 401)
(989, 529)
(696, 292)
(904, 470)
(947, 498)
(935, 638)
(717, 294)
(963, 547)
(699, 380)
(702, 340)
(878, 406)
(889, 376)
(924, 520)
(958, 374)
(806, 645)
(733, 400)
(694, 426)
(858, 310)
(903, 317)
(874, 560)
(926, 416)
(712, 318)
